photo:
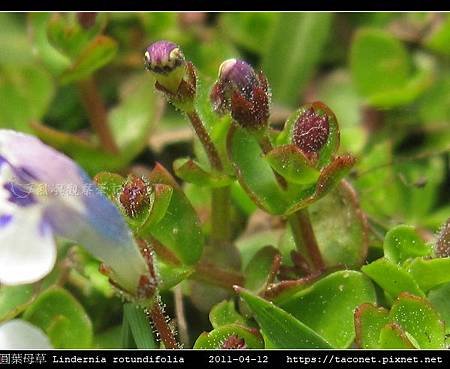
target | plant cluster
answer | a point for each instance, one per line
(269, 226)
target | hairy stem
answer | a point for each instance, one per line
(205, 139)
(220, 215)
(96, 111)
(211, 274)
(305, 239)
(165, 331)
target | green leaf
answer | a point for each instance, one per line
(440, 299)
(216, 338)
(292, 164)
(46, 52)
(329, 178)
(138, 111)
(170, 275)
(108, 339)
(62, 318)
(340, 227)
(67, 35)
(162, 195)
(249, 245)
(179, 229)
(191, 171)
(336, 295)
(417, 317)
(259, 271)
(110, 184)
(433, 106)
(249, 30)
(131, 122)
(429, 273)
(340, 95)
(393, 337)
(25, 94)
(378, 62)
(439, 38)
(392, 277)
(402, 242)
(224, 313)
(255, 174)
(382, 69)
(294, 52)
(280, 327)
(15, 299)
(15, 48)
(140, 326)
(369, 321)
(99, 52)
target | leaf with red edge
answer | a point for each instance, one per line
(369, 321)
(292, 164)
(392, 336)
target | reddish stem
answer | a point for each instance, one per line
(210, 273)
(163, 328)
(206, 141)
(304, 236)
(96, 111)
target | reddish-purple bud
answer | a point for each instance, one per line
(162, 57)
(134, 196)
(233, 342)
(242, 92)
(311, 130)
(239, 76)
(86, 19)
(175, 77)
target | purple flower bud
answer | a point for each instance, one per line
(162, 57)
(238, 75)
(86, 19)
(242, 92)
(311, 131)
(175, 77)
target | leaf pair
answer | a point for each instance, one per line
(412, 322)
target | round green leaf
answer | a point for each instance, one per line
(417, 317)
(62, 317)
(403, 242)
(336, 295)
(369, 321)
(392, 278)
(217, 337)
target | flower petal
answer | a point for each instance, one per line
(73, 206)
(19, 334)
(27, 248)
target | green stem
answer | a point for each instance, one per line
(305, 239)
(205, 139)
(220, 215)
